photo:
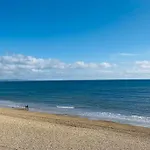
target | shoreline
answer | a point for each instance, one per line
(82, 117)
(22, 129)
(129, 120)
(74, 121)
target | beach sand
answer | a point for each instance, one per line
(23, 130)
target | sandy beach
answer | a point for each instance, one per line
(23, 130)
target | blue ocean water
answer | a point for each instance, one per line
(124, 101)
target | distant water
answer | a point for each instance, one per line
(124, 101)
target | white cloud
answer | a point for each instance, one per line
(143, 64)
(83, 65)
(127, 54)
(137, 69)
(28, 67)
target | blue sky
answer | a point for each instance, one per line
(115, 32)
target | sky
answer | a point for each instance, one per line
(74, 39)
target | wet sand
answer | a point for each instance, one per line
(24, 130)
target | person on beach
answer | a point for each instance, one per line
(27, 107)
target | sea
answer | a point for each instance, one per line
(123, 101)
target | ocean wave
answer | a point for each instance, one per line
(66, 107)
(129, 119)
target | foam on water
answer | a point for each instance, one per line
(65, 107)
(132, 119)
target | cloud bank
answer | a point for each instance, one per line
(29, 67)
